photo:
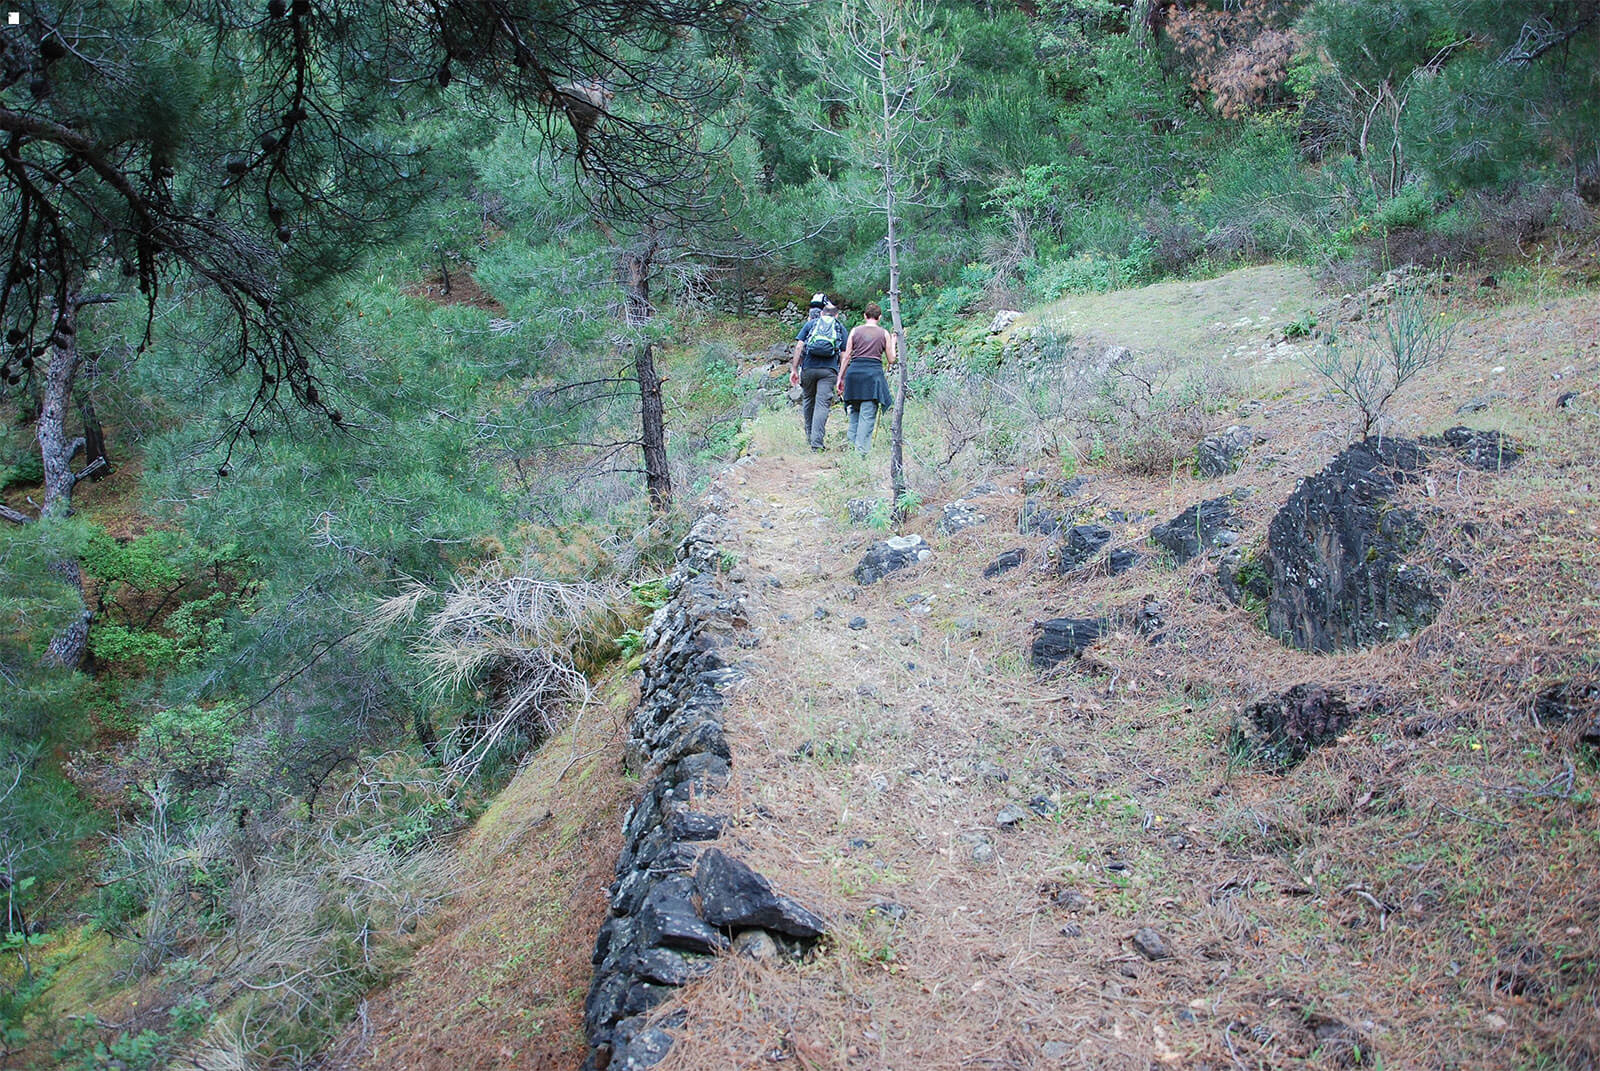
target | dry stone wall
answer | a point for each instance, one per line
(679, 899)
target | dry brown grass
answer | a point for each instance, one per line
(1420, 894)
(500, 982)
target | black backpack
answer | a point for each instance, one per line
(823, 343)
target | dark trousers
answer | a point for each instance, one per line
(816, 395)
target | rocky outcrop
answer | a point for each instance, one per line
(1243, 578)
(1038, 518)
(678, 901)
(1337, 554)
(1220, 453)
(1121, 560)
(1486, 450)
(890, 555)
(1064, 638)
(1003, 319)
(958, 515)
(1005, 563)
(1082, 542)
(1198, 528)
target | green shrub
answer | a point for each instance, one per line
(118, 644)
(1411, 207)
(651, 594)
(1080, 274)
(25, 469)
(194, 743)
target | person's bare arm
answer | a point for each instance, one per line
(794, 364)
(849, 347)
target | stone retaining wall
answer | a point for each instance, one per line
(678, 900)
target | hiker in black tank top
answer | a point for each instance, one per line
(862, 385)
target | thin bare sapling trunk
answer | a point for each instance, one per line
(897, 437)
(885, 62)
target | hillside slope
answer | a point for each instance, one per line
(1000, 853)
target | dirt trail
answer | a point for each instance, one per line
(1074, 871)
(872, 767)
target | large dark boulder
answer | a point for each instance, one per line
(1196, 528)
(1279, 733)
(735, 897)
(1337, 554)
(1065, 637)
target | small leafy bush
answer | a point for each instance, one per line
(630, 643)
(1411, 207)
(651, 594)
(1148, 414)
(192, 743)
(1392, 346)
(1302, 326)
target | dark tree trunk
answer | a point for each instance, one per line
(653, 429)
(96, 462)
(635, 266)
(56, 450)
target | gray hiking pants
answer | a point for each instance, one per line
(863, 418)
(816, 395)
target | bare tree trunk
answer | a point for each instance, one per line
(653, 429)
(897, 439)
(897, 463)
(56, 452)
(635, 267)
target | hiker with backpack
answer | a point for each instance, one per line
(815, 368)
(862, 385)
